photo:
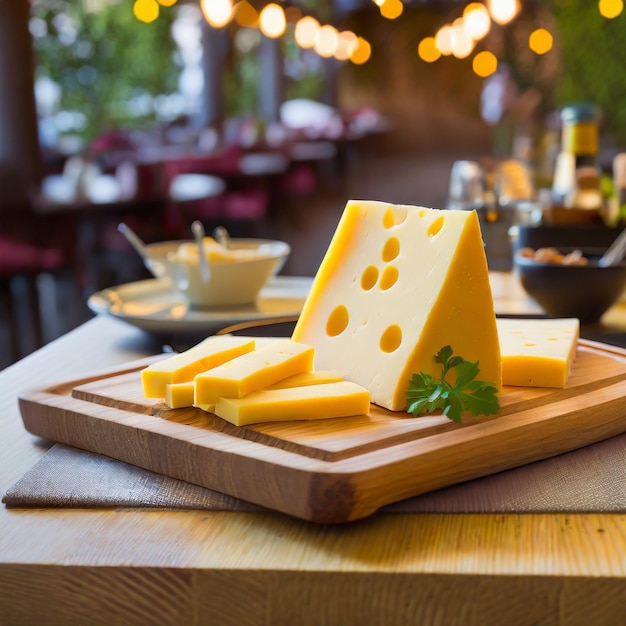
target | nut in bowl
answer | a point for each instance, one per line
(236, 273)
(569, 282)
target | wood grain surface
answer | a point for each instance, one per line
(172, 567)
(334, 470)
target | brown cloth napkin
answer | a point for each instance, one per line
(591, 479)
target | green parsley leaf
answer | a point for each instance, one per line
(427, 394)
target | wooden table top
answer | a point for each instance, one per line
(127, 567)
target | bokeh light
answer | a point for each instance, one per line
(245, 14)
(428, 50)
(610, 8)
(461, 44)
(272, 21)
(362, 51)
(476, 20)
(167, 3)
(146, 10)
(443, 39)
(484, 64)
(503, 11)
(326, 41)
(540, 41)
(306, 31)
(391, 9)
(346, 43)
(217, 13)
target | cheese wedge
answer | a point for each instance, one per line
(184, 366)
(296, 403)
(537, 353)
(253, 371)
(396, 285)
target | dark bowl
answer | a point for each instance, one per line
(585, 292)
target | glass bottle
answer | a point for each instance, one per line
(577, 175)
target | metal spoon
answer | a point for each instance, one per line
(220, 234)
(134, 240)
(198, 232)
(615, 252)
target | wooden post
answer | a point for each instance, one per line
(215, 44)
(271, 87)
(20, 162)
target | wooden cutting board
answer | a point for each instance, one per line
(339, 469)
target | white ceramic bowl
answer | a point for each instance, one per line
(236, 276)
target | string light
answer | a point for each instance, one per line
(326, 41)
(503, 11)
(476, 20)
(306, 31)
(428, 50)
(540, 41)
(391, 9)
(485, 64)
(146, 10)
(272, 21)
(245, 14)
(218, 13)
(610, 8)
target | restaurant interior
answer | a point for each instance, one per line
(266, 118)
(140, 137)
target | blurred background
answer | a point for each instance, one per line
(267, 117)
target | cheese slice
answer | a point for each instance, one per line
(179, 395)
(396, 285)
(253, 371)
(184, 366)
(537, 353)
(296, 403)
(304, 379)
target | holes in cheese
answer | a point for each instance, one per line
(340, 399)
(435, 226)
(369, 277)
(389, 277)
(394, 216)
(391, 249)
(391, 338)
(441, 296)
(253, 371)
(337, 321)
(537, 353)
(184, 366)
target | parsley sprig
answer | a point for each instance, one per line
(426, 393)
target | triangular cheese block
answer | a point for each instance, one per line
(397, 284)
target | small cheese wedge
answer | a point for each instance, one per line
(253, 371)
(397, 284)
(296, 403)
(537, 352)
(179, 395)
(184, 366)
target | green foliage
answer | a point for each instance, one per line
(102, 57)
(592, 61)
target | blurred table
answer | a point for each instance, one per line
(182, 567)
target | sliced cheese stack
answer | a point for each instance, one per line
(184, 366)
(272, 382)
(397, 284)
(537, 353)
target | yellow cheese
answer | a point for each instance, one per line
(179, 395)
(253, 371)
(305, 379)
(397, 284)
(537, 353)
(296, 403)
(184, 366)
